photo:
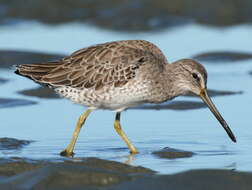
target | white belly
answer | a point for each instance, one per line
(116, 99)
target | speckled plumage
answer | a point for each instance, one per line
(118, 75)
(113, 75)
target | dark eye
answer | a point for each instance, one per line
(195, 76)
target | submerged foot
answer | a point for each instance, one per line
(66, 153)
(134, 152)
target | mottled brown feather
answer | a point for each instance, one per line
(113, 63)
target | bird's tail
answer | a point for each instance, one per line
(36, 71)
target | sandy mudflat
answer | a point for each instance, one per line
(94, 173)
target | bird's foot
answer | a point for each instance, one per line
(134, 152)
(67, 153)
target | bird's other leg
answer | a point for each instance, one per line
(69, 150)
(120, 132)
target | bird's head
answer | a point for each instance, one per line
(191, 77)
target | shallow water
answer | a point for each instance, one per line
(50, 123)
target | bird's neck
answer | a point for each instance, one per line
(172, 83)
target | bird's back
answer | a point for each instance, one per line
(97, 75)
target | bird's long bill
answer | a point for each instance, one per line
(204, 96)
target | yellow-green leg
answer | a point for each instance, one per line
(120, 132)
(69, 150)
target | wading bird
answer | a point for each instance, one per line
(118, 75)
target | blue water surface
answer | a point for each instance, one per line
(50, 123)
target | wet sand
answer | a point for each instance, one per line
(9, 58)
(11, 102)
(94, 173)
(12, 143)
(222, 56)
(155, 15)
(171, 153)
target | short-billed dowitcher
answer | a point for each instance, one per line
(118, 75)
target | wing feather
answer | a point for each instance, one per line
(113, 63)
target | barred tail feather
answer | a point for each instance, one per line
(35, 72)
